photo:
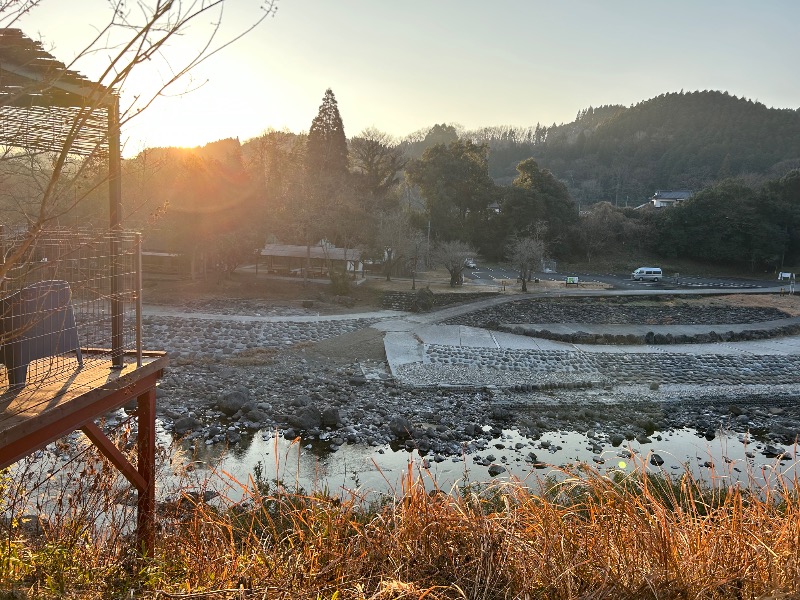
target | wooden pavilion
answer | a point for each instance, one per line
(70, 301)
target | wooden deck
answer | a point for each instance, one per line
(46, 410)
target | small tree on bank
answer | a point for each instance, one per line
(526, 255)
(451, 255)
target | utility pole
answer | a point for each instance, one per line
(428, 258)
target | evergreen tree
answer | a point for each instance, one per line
(326, 150)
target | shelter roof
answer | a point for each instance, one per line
(46, 106)
(331, 252)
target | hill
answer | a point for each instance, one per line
(674, 141)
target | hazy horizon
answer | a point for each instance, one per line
(402, 69)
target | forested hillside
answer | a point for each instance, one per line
(677, 140)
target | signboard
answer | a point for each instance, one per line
(572, 281)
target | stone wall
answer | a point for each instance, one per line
(405, 300)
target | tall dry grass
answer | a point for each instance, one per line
(579, 534)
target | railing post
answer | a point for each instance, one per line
(138, 251)
(115, 222)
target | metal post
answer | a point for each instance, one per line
(115, 222)
(138, 299)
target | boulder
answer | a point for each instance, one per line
(331, 417)
(307, 418)
(401, 427)
(234, 401)
(185, 425)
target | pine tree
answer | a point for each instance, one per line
(326, 150)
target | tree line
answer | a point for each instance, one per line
(436, 197)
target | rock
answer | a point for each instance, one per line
(656, 460)
(309, 417)
(300, 401)
(532, 458)
(495, 470)
(185, 425)
(257, 416)
(401, 427)
(331, 417)
(501, 414)
(234, 401)
(616, 439)
(771, 451)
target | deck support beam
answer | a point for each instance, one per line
(146, 507)
(142, 478)
(20, 436)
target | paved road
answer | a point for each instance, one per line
(495, 275)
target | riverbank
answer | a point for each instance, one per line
(329, 380)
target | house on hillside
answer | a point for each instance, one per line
(666, 198)
(316, 261)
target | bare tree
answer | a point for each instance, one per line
(134, 38)
(393, 240)
(418, 247)
(526, 254)
(376, 160)
(451, 255)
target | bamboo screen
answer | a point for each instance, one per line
(45, 106)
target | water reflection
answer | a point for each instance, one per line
(725, 460)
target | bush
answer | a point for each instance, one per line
(340, 282)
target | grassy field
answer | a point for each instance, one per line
(577, 535)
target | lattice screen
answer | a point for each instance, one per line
(56, 302)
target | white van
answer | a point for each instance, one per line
(647, 274)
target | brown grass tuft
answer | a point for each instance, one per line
(575, 534)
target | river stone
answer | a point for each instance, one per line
(185, 425)
(616, 439)
(234, 401)
(495, 470)
(331, 417)
(309, 417)
(401, 427)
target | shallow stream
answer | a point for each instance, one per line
(726, 459)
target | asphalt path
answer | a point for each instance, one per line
(498, 275)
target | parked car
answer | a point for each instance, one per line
(647, 274)
(470, 263)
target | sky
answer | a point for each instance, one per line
(404, 66)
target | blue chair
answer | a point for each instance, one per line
(36, 322)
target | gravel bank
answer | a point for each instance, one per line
(327, 381)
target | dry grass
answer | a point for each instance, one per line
(254, 357)
(786, 303)
(580, 535)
